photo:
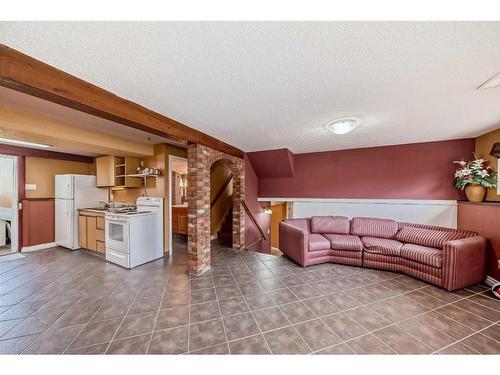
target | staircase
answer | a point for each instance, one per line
(225, 234)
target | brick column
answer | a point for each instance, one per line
(198, 196)
(200, 160)
(239, 210)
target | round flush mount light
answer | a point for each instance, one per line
(342, 126)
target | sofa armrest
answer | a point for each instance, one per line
(293, 242)
(464, 262)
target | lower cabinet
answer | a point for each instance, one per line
(92, 231)
(179, 220)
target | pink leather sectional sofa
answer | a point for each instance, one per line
(445, 257)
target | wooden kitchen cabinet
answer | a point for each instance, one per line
(82, 231)
(113, 171)
(179, 220)
(105, 171)
(92, 234)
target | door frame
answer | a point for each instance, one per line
(14, 212)
(170, 236)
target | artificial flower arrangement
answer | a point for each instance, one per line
(474, 172)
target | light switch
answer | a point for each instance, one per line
(30, 187)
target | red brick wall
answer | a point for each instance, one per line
(200, 159)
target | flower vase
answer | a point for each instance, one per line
(475, 192)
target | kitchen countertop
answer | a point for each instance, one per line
(103, 210)
(99, 210)
(112, 211)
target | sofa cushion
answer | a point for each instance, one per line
(344, 242)
(423, 254)
(330, 224)
(317, 242)
(427, 237)
(304, 224)
(373, 227)
(382, 246)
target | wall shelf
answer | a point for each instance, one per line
(138, 175)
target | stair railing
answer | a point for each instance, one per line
(221, 190)
(252, 218)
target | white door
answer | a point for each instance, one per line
(8, 201)
(64, 222)
(64, 186)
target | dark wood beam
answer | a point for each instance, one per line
(30, 76)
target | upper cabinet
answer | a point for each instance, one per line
(113, 171)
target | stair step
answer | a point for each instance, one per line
(225, 235)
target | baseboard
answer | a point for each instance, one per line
(42, 246)
(491, 281)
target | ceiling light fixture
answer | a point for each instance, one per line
(342, 126)
(491, 83)
(23, 143)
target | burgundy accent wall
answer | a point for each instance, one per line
(252, 235)
(273, 163)
(38, 221)
(411, 171)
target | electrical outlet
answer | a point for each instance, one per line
(30, 187)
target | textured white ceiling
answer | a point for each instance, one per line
(261, 85)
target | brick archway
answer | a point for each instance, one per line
(200, 160)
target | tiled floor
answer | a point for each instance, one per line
(4, 250)
(57, 301)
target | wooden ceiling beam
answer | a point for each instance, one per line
(30, 76)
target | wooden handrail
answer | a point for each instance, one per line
(221, 190)
(249, 213)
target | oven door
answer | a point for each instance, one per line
(117, 233)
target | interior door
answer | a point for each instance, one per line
(9, 222)
(64, 222)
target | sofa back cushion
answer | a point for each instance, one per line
(304, 224)
(373, 227)
(465, 233)
(429, 237)
(330, 224)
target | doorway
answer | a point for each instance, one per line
(177, 204)
(9, 218)
(221, 204)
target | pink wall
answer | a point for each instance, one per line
(252, 234)
(411, 171)
(273, 163)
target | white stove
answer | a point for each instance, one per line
(135, 236)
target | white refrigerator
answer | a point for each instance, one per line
(74, 192)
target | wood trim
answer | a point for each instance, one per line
(21, 195)
(25, 151)
(33, 77)
(221, 190)
(249, 213)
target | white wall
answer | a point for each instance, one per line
(433, 212)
